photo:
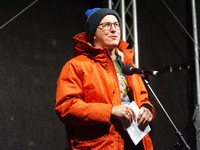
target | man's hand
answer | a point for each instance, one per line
(125, 113)
(144, 117)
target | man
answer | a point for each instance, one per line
(92, 88)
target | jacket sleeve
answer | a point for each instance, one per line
(140, 93)
(71, 107)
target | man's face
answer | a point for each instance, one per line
(107, 38)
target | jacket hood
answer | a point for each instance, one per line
(82, 45)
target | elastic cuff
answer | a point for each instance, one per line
(148, 107)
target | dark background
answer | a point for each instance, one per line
(35, 46)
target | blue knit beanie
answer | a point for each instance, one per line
(94, 17)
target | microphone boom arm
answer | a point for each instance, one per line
(158, 101)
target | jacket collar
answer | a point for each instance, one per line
(82, 45)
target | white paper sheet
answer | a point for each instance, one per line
(134, 132)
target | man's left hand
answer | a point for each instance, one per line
(144, 117)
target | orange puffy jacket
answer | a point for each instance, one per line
(87, 88)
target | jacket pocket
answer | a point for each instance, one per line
(98, 143)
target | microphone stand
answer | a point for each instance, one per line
(178, 133)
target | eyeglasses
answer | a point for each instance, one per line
(108, 25)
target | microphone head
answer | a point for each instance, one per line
(126, 70)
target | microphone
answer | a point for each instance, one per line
(130, 70)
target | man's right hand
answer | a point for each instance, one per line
(125, 113)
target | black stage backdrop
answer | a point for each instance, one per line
(35, 46)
